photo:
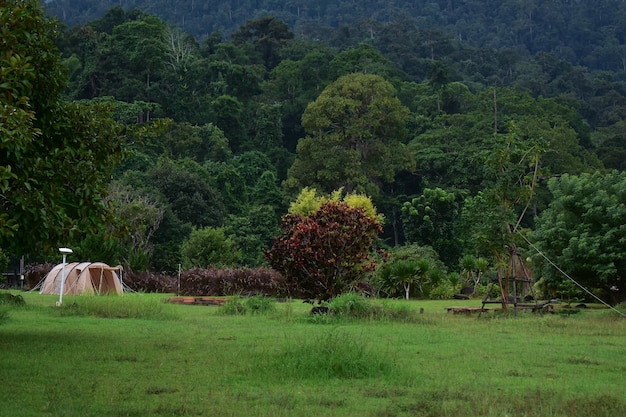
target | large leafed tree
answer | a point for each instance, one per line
(355, 137)
(583, 231)
(55, 156)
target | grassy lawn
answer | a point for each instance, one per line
(137, 356)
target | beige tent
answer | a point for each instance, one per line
(83, 278)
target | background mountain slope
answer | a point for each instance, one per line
(590, 33)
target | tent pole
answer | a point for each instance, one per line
(100, 285)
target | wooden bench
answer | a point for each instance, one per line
(465, 310)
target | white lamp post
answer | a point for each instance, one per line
(65, 252)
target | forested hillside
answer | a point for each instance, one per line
(590, 33)
(452, 116)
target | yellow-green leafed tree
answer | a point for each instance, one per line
(308, 202)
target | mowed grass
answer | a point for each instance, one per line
(138, 356)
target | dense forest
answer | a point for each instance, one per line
(457, 118)
(590, 33)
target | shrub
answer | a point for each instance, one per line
(409, 270)
(247, 305)
(209, 247)
(352, 305)
(443, 291)
(35, 273)
(4, 261)
(324, 253)
(10, 299)
(356, 306)
(150, 282)
(241, 281)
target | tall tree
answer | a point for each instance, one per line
(56, 156)
(266, 35)
(583, 231)
(430, 219)
(356, 131)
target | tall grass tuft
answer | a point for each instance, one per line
(334, 354)
(356, 306)
(129, 306)
(4, 314)
(247, 305)
(8, 302)
(10, 299)
(352, 305)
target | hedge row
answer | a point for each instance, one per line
(243, 281)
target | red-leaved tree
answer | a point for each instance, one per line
(323, 254)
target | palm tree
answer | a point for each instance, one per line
(403, 273)
(481, 265)
(407, 273)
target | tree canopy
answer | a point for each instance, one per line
(583, 230)
(57, 156)
(356, 129)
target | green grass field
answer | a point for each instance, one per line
(138, 356)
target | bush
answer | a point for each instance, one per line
(326, 252)
(209, 247)
(352, 305)
(356, 306)
(241, 281)
(247, 305)
(443, 291)
(10, 299)
(416, 266)
(4, 261)
(150, 282)
(35, 273)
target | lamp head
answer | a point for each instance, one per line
(65, 251)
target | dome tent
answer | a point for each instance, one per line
(83, 278)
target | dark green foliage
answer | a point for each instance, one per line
(4, 261)
(583, 232)
(191, 198)
(355, 133)
(413, 33)
(209, 248)
(56, 156)
(488, 114)
(252, 232)
(11, 299)
(429, 220)
(410, 270)
(265, 35)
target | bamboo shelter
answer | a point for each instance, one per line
(515, 283)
